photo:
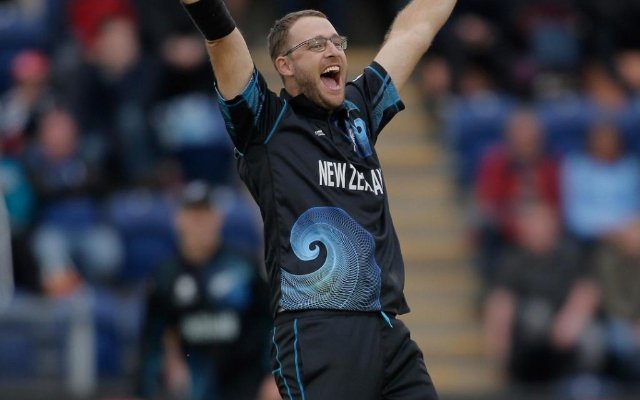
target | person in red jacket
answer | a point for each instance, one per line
(515, 172)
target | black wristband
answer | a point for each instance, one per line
(211, 17)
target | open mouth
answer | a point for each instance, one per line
(331, 77)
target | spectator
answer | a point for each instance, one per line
(26, 24)
(29, 96)
(207, 322)
(539, 315)
(602, 89)
(436, 85)
(70, 239)
(618, 271)
(552, 33)
(600, 186)
(512, 174)
(627, 64)
(114, 88)
(628, 68)
(477, 36)
(187, 119)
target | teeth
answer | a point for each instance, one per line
(335, 68)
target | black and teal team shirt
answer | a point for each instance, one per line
(329, 238)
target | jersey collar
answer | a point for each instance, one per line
(304, 106)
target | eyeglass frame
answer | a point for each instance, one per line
(342, 46)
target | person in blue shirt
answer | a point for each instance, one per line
(601, 186)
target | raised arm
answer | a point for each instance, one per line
(411, 35)
(229, 54)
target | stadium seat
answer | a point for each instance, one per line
(144, 219)
(566, 121)
(475, 124)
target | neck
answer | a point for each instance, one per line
(198, 255)
(292, 89)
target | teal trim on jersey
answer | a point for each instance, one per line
(254, 99)
(226, 115)
(275, 126)
(250, 95)
(376, 72)
(386, 98)
(385, 81)
(280, 364)
(295, 350)
(245, 95)
(350, 105)
(382, 91)
(386, 318)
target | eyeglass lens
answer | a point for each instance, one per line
(320, 44)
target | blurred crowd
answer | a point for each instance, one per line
(539, 102)
(109, 124)
(118, 176)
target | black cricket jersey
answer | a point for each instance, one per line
(217, 308)
(329, 238)
(219, 311)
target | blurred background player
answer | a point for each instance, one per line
(207, 317)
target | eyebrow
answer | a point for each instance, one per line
(325, 37)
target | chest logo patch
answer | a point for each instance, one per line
(185, 290)
(358, 134)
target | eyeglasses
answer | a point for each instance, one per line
(318, 44)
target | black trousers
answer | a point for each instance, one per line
(343, 355)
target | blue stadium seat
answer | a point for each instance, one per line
(17, 351)
(629, 123)
(566, 122)
(241, 229)
(475, 124)
(144, 219)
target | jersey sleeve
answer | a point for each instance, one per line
(251, 115)
(374, 92)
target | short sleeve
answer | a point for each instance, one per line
(250, 116)
(374, 92)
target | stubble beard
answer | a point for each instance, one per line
(310, 87)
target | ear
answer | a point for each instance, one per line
(284, 66)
